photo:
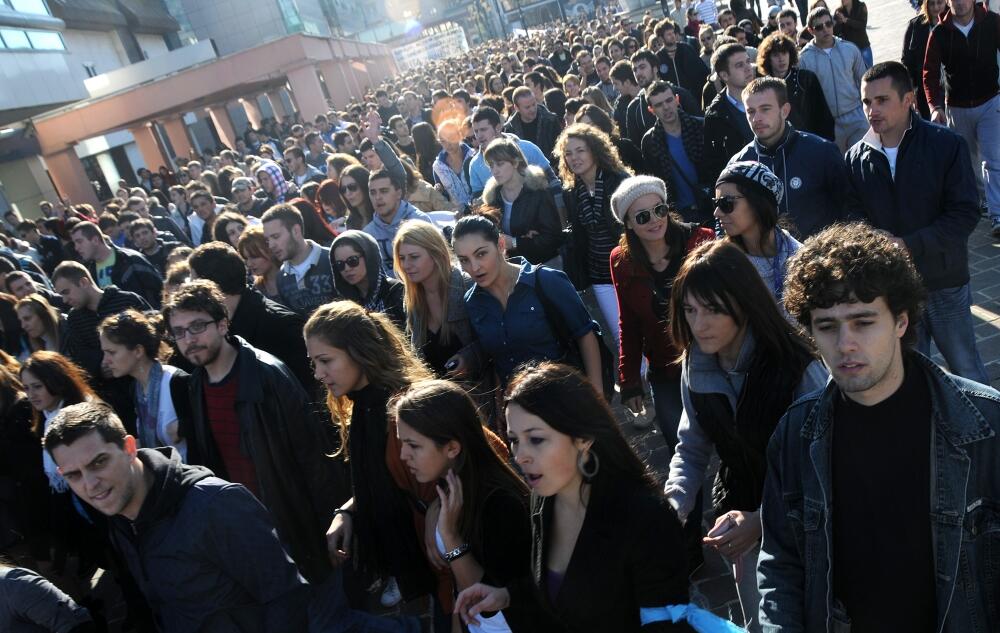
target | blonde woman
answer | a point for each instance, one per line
(529, 220)
(571, 84)
(261, 263)
(434, 299)
(591, 171)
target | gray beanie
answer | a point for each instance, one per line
(633, 188)
(756, 175)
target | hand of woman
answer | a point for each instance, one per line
(735, 533)
(451, 509)
(338, 538)
(374, 125)
(459, 368)
(430, 541)
(478, 598)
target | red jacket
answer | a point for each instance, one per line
(970, 63)
(642, 334)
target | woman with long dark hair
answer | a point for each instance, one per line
(314, 227)
(643, 266)
(592, 115)
(746, 206)
(591, 170)
(354, 188)
(332, 203)
(41, 324)
(480, 520)
(606, 547)
(228, 227)
(427, 147)
(513, 302)
(742, 365)
(363, 361)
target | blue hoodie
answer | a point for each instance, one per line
(385, 233)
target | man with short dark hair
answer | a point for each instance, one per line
(965, 43)
(892, 440)
(305, 280)
(811, 168)
(532, 122)
(726, 126)
(261, 322)
(624, 82)
(49, 247)
(603, 66)
(247, 203)
(301, 171)
(679, 62)
(391, 210)
(638, 118)
(317, 155)
(673, 149)
(143, 235)
(914, 180)
(203, 209)
(414, 110)
(585, 68)
(386, 108)
(252, 423)
(778, 57)
(121, 267)
(839, 66)
(202, 550)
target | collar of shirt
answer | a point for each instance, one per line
(736, 102)
(310, 261)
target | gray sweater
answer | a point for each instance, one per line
(839, 74)
(701, 373)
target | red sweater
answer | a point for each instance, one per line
(642, 333)
(970, 63)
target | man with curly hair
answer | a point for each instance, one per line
(880, 502)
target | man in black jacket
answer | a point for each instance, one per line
(673, 151)
(679, 61)
(726, 126)
(914, 180)
(202, 550)
(532, 122)
(252, 423)
(110, 265)
(147, 241)
(811, 168)
(261, 322)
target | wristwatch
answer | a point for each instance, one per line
(456, 553)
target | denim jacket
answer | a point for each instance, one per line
(794, 570)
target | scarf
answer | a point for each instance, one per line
(147, 407)
(277, 178)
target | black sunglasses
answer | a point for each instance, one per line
(726, 204)
(350, 262)
(822, 26)
(351, 187)
(644, 216)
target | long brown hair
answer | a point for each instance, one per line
(600, 145)
(428, 237)
(374, 343)
(442, 411)
(62, 378)
(47, 314)
(719, 274)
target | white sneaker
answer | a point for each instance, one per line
(390, 595)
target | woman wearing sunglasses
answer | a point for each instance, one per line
(359, 276)
(746, 206)
(643, 267)
(354, 189)
(743, 365)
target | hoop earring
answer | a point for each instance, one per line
(581, 465)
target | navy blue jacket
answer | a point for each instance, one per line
(205, 554)
(814, 175)
(932, 204)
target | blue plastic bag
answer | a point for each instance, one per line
(700, 620)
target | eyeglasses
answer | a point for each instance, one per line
(350, 262)
(644, 216)
(822, 26)
(351, 187)
(197, 327)
(726, 204)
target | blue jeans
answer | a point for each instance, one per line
(866, 53)
(666, 392)
(329, 612)
(948, 320)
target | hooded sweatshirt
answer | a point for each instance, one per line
(384, 293)
(839, 73)
(282, 188)
(384, 233)
(205, 554)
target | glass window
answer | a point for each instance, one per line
(15, 39)
(30, 6)
(46, 41)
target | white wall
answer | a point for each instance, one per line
(102, 48)
(33, 78)
(152, 45)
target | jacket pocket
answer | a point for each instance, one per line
(981, 558)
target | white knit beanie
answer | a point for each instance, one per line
(632, 189)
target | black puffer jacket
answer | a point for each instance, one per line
(288, 446)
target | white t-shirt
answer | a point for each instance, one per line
(891, 153)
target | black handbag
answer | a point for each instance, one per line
(573, 356)
(574, 269)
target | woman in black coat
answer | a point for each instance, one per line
(605, 543)
(915, 48)
(520, 192)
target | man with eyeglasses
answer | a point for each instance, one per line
(305, 280)
(839, 66)
(252, 424)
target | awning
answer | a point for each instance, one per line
(88, 15)
(148, 16)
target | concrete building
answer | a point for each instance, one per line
(104, 87)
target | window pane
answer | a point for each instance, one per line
(30, 6)
(15, 39)
(45, 41)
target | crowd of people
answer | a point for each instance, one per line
(372, 357)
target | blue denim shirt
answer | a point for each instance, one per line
(521, 333)
(794, 570)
